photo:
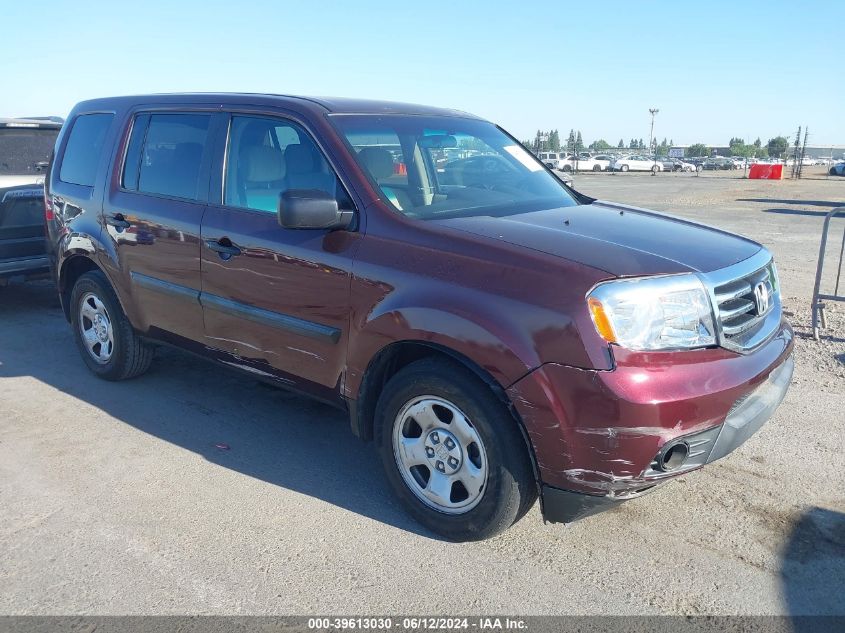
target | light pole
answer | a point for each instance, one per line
(651, 145)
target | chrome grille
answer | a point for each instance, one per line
(746, 302)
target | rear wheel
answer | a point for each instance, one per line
(109, 345)
(655, 169)
(452, 451)
(596, 167)
(624, 167)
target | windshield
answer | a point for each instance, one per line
(435, 167)
(25, 150)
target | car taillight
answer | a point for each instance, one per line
(48, 207)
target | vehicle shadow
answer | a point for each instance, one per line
(807, 203)
(807, 212)
(229, 419)
(813, 568)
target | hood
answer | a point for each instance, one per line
(620, 240)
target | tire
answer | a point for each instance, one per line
(436, 404)
(624, 168)
(596, 167)
(655, 169)
(567, 168)
(109, 345)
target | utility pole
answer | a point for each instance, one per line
(653, 111)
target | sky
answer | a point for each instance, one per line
(714, 69)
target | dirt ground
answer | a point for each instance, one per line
(192, 490)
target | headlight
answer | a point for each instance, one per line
(650, 313)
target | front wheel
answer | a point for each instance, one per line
(452, 452)
(109, 345)
(655, 169)
(624, 167)
(596, 167)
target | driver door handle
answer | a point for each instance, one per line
(223, 247)
(118, 221)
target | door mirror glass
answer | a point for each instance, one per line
(312, 209)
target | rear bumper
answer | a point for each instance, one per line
(24, 266)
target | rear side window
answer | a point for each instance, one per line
(84, 148)
(171, 159)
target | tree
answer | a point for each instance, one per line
(621, 144)
(527, 145)
(633, 144)
(570, 142)
(777, 146)
(757, 143)
(579, 142)
(737, 147)
(554, 140)
(600, 145)
(641, 145)
(698, 149)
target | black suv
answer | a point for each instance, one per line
(25, 147)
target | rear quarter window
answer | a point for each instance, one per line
(84, 148)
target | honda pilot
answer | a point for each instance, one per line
(498, 335)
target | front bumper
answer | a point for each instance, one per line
(597, 434)
(745, 419)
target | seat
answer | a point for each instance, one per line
(263, 170)
(379, 162)
(303, 169)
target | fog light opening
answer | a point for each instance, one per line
(673, 456)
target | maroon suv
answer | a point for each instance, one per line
(499, 335)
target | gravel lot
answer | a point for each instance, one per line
(118, 498)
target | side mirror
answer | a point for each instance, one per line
(312, 209)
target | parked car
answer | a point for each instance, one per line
(683, 165)
(25, 146)
(675, 164)
(719, 162)
(636, 163)
(497, 334)
(554, 160)
(838, 169)
(599, 162)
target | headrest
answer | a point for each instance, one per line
(263, 164)
(378, 161)
(299, 159)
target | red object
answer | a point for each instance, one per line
(48, 207)
(762, 171)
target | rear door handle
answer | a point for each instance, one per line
(223, 248)
(118, 221)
